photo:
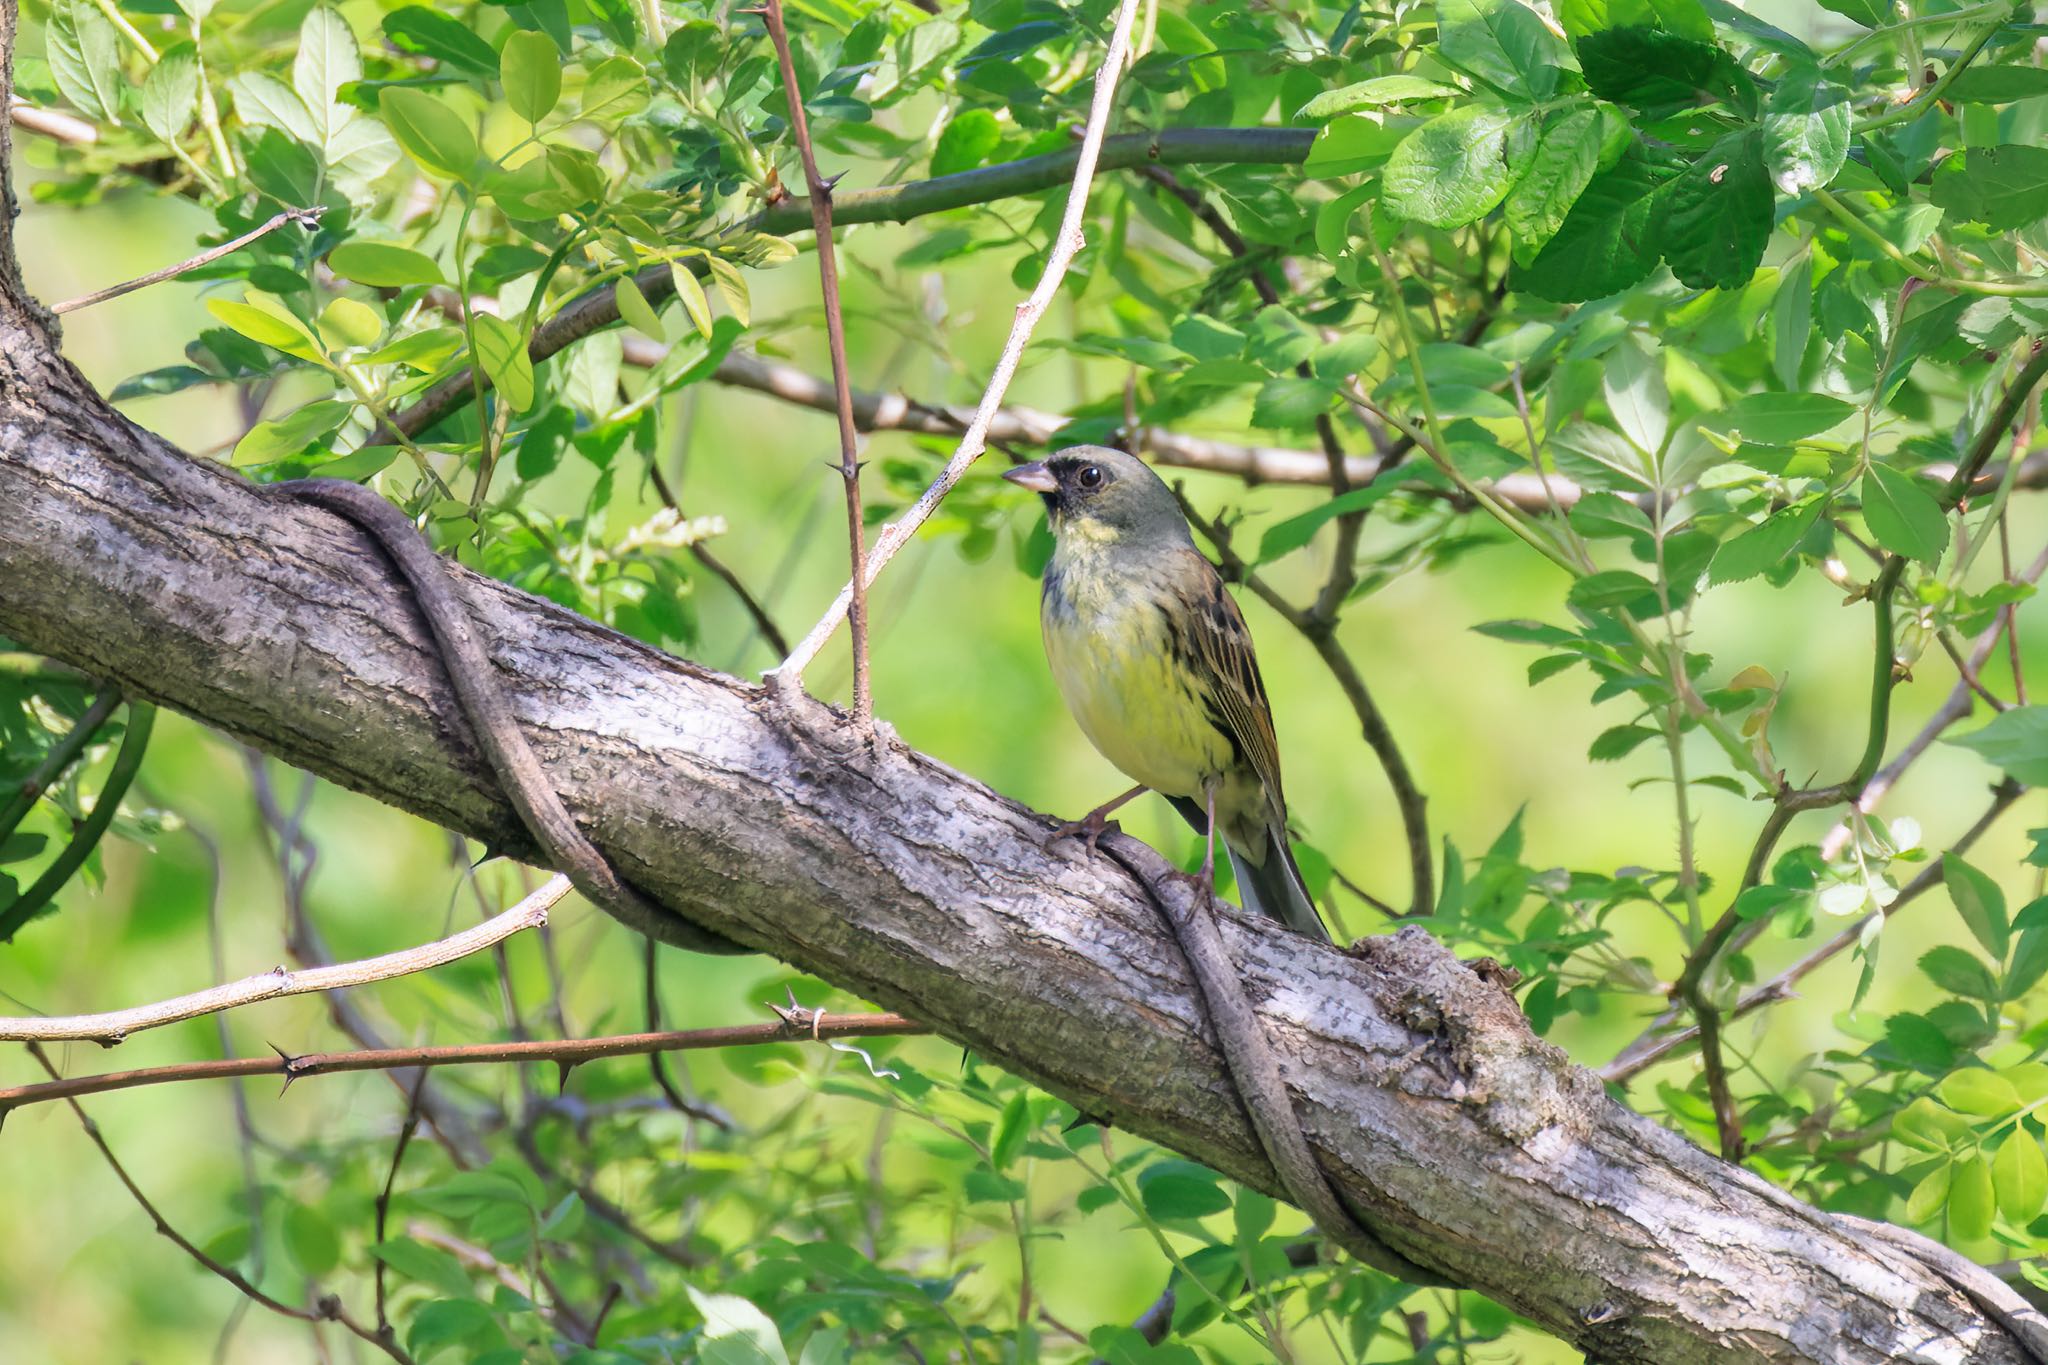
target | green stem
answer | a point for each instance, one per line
(1928, 98)
(2001, 8)
(86, 838)
(127, 30)
(62, 755)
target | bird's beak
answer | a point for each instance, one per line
(1034, 476)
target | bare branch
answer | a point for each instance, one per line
(306, 218)
(116, 1025)
(835, 341)
(1065, 246)
(565, 1051)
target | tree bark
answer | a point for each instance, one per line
(1471, 1146)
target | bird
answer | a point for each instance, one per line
(1154, 660)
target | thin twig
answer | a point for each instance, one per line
(115, 1025)
(564, 1051)
(1065, 246)
(330, 1308)
(702, 553)
(307, 218)
(835, 341)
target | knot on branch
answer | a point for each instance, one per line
(1478, 1039)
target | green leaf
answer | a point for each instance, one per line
(310, 1237)
(449, 1322)
(1970, 1200)
(1605, 243)
(2003, 188)
(2020, 1175)
(274, 329)
(690, 293)
(430, 132)
(1925, 1125)
(735, 1331)
(635, 311)
(1684, 17)
(170, 93)
(1958, 972)
(1503, 43)
(1980, 903)
(1982, 1094)
(1717, 216)
(1806, 131)
(1998, 84)
(530, 65)
(1601, 460)
(2015, 740)
(1618, 742)
(264, 101)
(732, 287)
(430, 33)
(1288, 402)
(1792, 318)
(384, 265)
(1184, 1192)
(85, 59)
(1449, 172)
(1204, 338)
(1633, 384)
(826, 1346)
(1611, 588)
(1353, 143)
(1011, 1129)
(327, 59)
(1650, 68)
(429, 1265)
(1764, 546)
(350, 322)
(1902, 515)
(1780, 418)
(1286, 537)
(1930, 1194)
(1557, 173)
(501, 349)
(2029, 961)
(967, 141)
(1376, 93)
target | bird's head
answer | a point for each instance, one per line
(1103, 494)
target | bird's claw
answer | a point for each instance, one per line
(1089, 829)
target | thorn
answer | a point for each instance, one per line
(831, 183)
(291, 1067)
(563, 1068)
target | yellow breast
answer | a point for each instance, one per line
(1110, 656)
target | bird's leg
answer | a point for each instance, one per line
(1092, 825)
(1209, 844)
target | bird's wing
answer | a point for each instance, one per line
(1219, 647)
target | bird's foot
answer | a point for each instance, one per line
(1089, 829)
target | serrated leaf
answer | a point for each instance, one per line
(2003, 187)
(735, 1331)
(966, 142)
(1611, 588)
(1285, 537)
(1806, 131)
(1792, 318)
(1717, 216)
(1606, 242)
(1633, 384)
(1902, 515)
(1764, 546)
(1558, 171)
(1502, 43)
(1684, 17)
(327, 59)
(1958, 972)
(1997, 84)
(1287, 402)
(2029, 961)
(1450, 171)
(1618, 742)
(85, 59)
(1980, 903)
(170, 93)
(1375, 93)
(1780, 418)
(2015, 740)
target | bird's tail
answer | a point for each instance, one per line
(1273, 888)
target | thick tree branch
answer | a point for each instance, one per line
(1469, 1145)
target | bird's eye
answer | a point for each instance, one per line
(1090, 476)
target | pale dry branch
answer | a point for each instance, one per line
(113, 1026)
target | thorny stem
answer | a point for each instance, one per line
(835, 337)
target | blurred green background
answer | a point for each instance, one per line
(959, 673)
